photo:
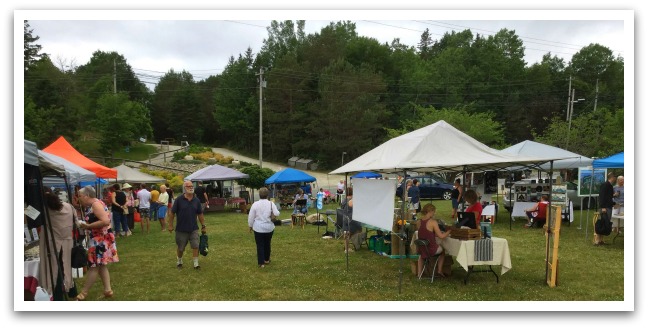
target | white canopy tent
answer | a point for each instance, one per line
(530, 148)
(73, 173)
(128, 174)
(438, 147)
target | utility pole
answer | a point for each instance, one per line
(114, 76)
(596, 97)
(571, 112)
(569, 99)
(261, 117)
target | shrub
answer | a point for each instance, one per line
(179, 155)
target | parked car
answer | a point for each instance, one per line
(431, 187)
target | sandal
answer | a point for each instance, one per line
(81, 296)
(108, 294)
(440, 275)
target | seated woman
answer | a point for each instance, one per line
(302, 207)
(428, 229)
(538, 213)
(474, 205)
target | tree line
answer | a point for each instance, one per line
(335, 91)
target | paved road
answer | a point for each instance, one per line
(323, 178)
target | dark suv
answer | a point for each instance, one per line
(432, 187)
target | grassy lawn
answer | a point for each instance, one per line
(306, 267)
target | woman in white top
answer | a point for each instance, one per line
(260, 221)
(340, 191)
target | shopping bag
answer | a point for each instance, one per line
(136, 217)
(203, 246)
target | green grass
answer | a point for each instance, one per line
(306, 267)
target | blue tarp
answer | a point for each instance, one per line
(613, 161)
(366, 174)
(290, 175)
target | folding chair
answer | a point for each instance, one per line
(329, 218)
(426, 261)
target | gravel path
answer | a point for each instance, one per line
(323, 178)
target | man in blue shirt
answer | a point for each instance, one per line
(188, 208)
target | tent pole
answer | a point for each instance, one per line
(589, 203)
(346, 218)
(549, 220)
(510, 202)
(400, 244)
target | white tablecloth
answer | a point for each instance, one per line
(464, 251)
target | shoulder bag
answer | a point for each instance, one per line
(79, 255)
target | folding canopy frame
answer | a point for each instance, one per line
(438, 147)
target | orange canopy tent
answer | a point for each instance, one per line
(62, 148)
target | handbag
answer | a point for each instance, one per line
(79, 254)
(272, 215)
(203, 245)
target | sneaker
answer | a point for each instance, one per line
(129, 233)
(179, 266)
(197, 267)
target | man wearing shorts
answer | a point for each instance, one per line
(188, 208)
(144, 197)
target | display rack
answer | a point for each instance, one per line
(531, 192)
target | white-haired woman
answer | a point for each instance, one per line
(102, 249)
(260, 222)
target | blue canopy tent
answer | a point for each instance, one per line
(366, 174)
(290, 175)
(613, 161)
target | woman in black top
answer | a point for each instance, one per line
(455, 196)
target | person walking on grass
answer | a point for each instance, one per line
(201, 194)
(102, 249)
(260, 222)
(188, 208)
(144, 197)
(163, 201)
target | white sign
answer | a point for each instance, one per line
(31, 212)
(373, 202)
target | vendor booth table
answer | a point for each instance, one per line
(464, 251)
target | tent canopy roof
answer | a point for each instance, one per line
(613, 161)
(132, 175)
(74, 174)
(31, 153)
(436, 148)
(531, 148)
(216, 173)
(62, 148)
(290, 175)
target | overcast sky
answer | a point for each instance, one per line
(202, 42)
